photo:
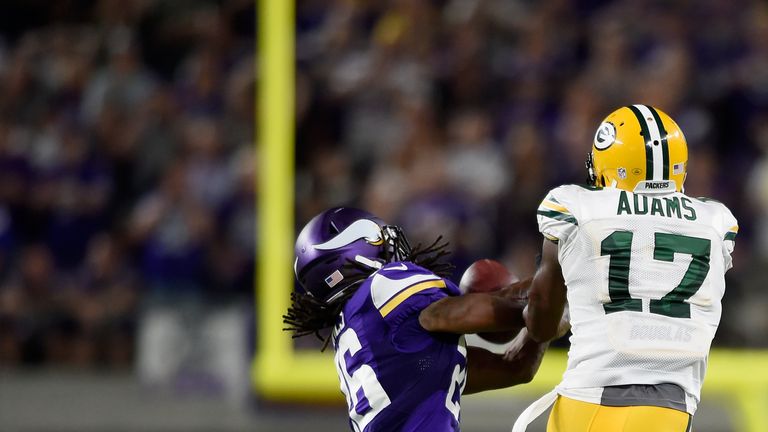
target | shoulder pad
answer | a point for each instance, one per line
(395, 282)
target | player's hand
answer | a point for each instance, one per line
(517, 345)
(516, 291)
(514, 347)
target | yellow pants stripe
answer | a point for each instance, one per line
(569, 415)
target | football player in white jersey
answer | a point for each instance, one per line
(641, 268)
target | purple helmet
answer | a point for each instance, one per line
(340, 245)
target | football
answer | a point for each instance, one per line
(485, 276)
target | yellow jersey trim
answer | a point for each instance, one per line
(404, 294)
(554, 206)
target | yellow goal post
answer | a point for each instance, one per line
(281, 373)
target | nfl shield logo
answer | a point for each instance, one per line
(622, 173)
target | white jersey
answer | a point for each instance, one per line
(645, 278)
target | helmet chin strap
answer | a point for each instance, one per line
(341, 293)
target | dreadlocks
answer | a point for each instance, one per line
(432, 257)
(308, 315)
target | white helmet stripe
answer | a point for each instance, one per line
(655, 135)
(361, 228)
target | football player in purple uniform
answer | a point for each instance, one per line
(366, 286)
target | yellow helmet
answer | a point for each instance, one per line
(639, 148)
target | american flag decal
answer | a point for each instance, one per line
(334, 278)
(678, 168)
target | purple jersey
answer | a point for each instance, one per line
(395, 375)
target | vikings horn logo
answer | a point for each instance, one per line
(362, 228)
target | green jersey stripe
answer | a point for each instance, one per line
(730, 236)
(552, 214)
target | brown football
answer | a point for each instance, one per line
(484, 276)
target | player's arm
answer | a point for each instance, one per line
(546, 297)
(518, 365)
(477, 312)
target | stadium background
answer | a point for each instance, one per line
(129, 222)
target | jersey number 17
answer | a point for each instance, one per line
(618, 246)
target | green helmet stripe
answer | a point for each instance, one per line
(664, 144)
(646, 139)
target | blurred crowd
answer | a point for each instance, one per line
(126, 169)
(126, 130)
(454, 117)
